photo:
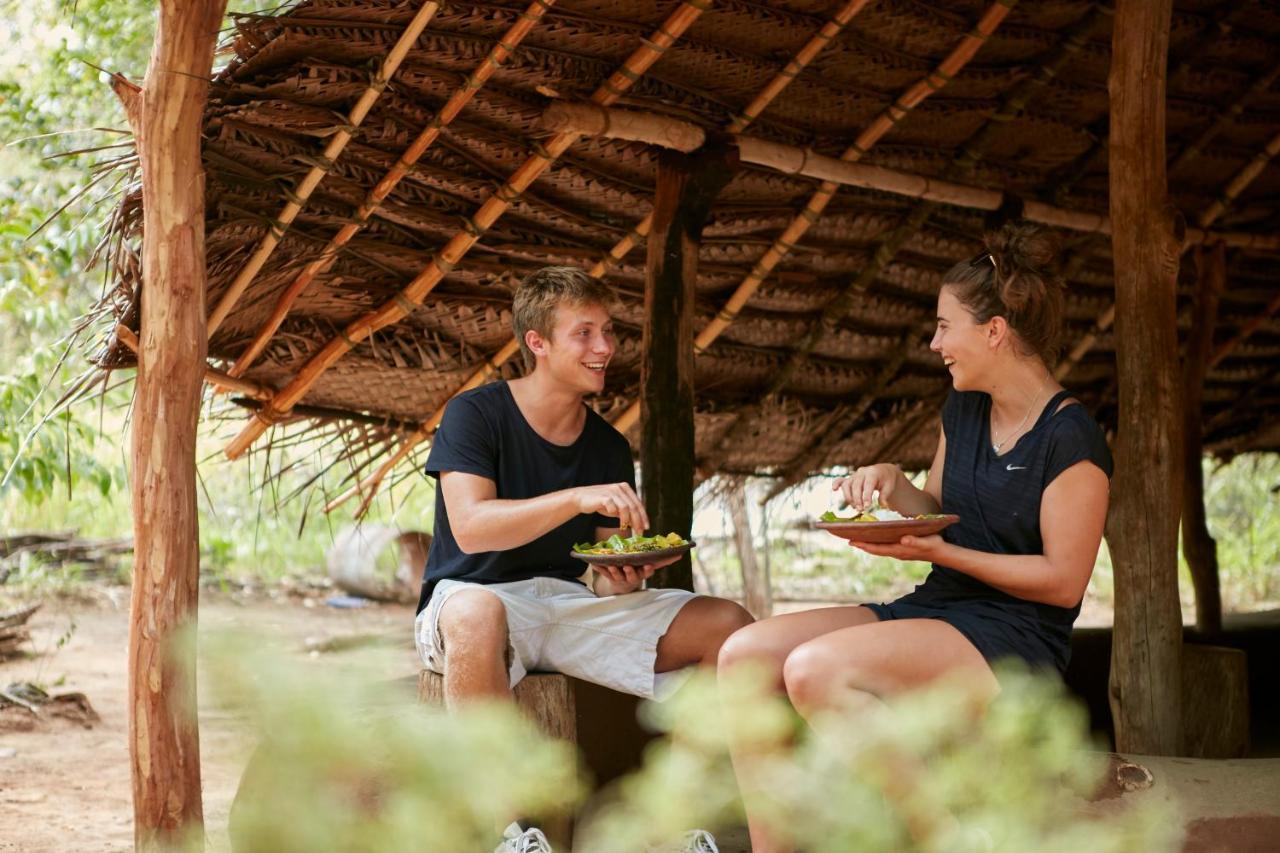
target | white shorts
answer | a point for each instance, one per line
(562, 626)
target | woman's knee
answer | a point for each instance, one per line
(753, 641)
(810, 672)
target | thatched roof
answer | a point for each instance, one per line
(827, 362)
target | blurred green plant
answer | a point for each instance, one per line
(933, 771)
(342, 765)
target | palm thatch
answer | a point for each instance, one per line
(368, 218)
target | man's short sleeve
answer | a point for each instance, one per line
(464, 442)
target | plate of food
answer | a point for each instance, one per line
(883, 526)
(620, 550)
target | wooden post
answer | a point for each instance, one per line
(1197, 545)
(687, 185)
(166, 116)
(1142, 530)
(756, 589)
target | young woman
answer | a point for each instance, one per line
(1023, 465)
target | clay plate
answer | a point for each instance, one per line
(639, 558)
(885, 532)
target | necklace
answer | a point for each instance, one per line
(996, 445)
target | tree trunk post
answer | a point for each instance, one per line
(756, 591)
(166, 116)
(1146, 664)
(1197, 545)
(686, 187)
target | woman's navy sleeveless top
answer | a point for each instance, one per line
(997, 497)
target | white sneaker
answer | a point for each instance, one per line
(517, 840)
(693, 841)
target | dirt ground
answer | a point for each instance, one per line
(64, 787)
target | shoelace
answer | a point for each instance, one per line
(533, 841)
(700, 841)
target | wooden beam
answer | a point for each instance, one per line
(166, 117)
(687, 186)
(298, 195)
(680, 135)
(217, 378)
(1198, 546)
(1146, 670)
(406, 300)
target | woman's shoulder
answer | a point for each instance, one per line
(1073, 433)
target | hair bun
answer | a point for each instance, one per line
(1025, 257)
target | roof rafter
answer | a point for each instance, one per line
(881, 125)
(297, 197)
(826, 34)
(411, 296)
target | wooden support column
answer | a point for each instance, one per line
(687, 186)
(166, 116)
(1197, 545)
(1142, 529)
(756, 590)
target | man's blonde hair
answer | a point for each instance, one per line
(541, 292)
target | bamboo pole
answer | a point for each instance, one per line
(165, 116)
(818, 202)
(759, 103)
(411, 296)
(297, 197)
(681, 135)
(500, 52)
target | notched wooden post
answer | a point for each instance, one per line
(687, 187)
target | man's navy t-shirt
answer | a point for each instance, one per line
(483, 432)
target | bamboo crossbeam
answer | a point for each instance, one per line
(1224, 119)
(500, 52)
(681, 135)
(369, 486)
(882, 124)
(297, 198)
(447, 258)
(1246, 330)
(217, 378)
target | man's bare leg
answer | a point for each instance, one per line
(697, 633)
(473, 625)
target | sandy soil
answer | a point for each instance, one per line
(67, 788)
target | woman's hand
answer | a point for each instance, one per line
(928, 549)
(859, 488)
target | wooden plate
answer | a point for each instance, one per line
(637, 558)
(885, 532)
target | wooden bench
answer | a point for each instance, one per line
(600, 722)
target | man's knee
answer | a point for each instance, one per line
(810, 673)
(748, 643)
(473, 621)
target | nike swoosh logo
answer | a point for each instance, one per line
(1015, 467)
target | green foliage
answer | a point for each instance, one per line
(342, 765)
(934, 771)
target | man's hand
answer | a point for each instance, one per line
(616, 500)
(618, 580)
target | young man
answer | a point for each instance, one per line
(525, 470)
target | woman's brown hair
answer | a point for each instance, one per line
(1016, 278)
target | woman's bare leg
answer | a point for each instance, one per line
(767, 644)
